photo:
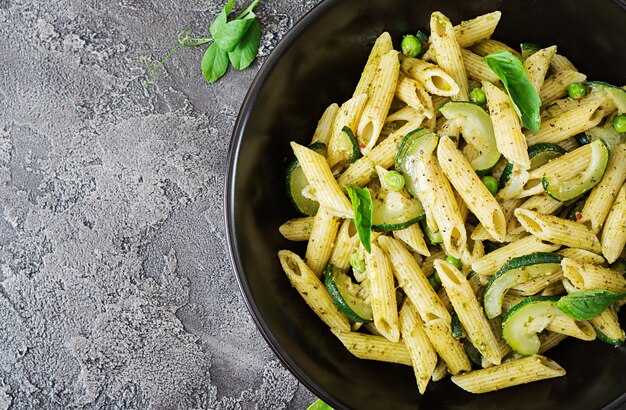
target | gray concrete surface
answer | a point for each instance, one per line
(115, 287)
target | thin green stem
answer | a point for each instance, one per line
(248, 10)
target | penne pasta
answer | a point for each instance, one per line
(513, 373)
(312, 291)
(382, 294)
(378, 348)
(435, 80)
(586, 276)
(325, 124)
(446, 49)
(558, 230)
(348, 116)
(297, 229)
(346, 243)
(614, 232)
(413, 238)
(555, 86)
(320, 245)
(449, 349)
(382, 46)
(537, 65)
(506, 126)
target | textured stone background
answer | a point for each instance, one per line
(115, 285)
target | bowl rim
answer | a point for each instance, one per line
(229, 202)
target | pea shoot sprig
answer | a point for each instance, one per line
(233, 42)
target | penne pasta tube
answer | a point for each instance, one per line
(381, 94)
(586, 115)
(477, 69)
(413, 94)
(561, 63)
(513, 373)
(614, 232)
(449, 349)
(506, 126)
(346, 243)
(558, 230)
(550, 340)
(555, 86)
(489, 46)
(297, 229)
(441, 371)
(537, 65)
(469, 186)
(600, 200)
(435, 80)
(382, 46)
(323, 183)
(607, 323)
(370, 347)
(413, 238)
(446, 49)
(312, 291)
(422, 352)
(320, 245)
(575, 328)
(382, 293)
(413, 281)
(472, 31)
(469, 311)
(588, 277)
(491, 262)
(325, 124)
(582, 256)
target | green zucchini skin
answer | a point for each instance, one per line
(355, 308)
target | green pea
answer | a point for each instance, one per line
(357, 263)
(576, 90)
(619, 123)
(491, 183)
(393, 180)
(435, 281)
(421, 36)
(411, 46)
(477, 96)
(454, 261)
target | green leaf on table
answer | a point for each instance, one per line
(525, 99)
(229, 35)
(587, 304)
(319, 405)
(362, 204)
(214, 63)
(221, 18)
(245, 52)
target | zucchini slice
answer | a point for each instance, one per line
(616, 93)
(474, 355)
(539, 154)
(408, 148)
(517, 270)
(606, 133)
(477, 130)
(455, 324)
(564, 190)
(393, 210)
(614, 342)
(347, 147)
(523, 321)
(434, 236)
(347, 295)
(296, 183)
(529, 49)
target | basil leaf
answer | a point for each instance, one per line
(319, 405)
(220, 20)
(587, 304)
(245, 51)
(229, 35)
(362, 205)
(525, 99)
(214, 63)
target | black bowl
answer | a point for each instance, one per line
(319, 62)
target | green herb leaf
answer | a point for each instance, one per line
(525, 99)
(229, 35)
(245, 51)
(214, 63)
(221, 18)
(362, 205)
(587, 304)
(319, 405)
